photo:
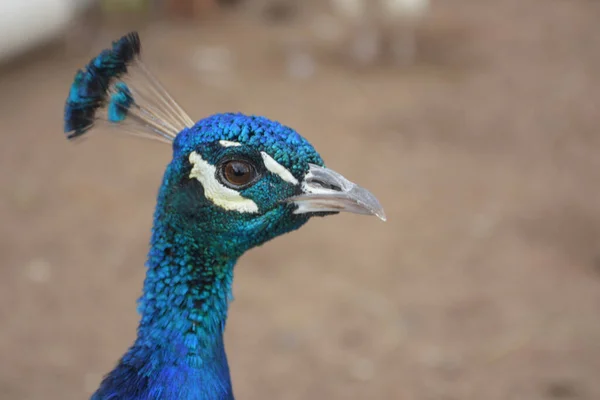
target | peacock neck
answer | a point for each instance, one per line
(185, 298)
(184, 308)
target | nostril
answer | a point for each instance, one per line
(325, 185)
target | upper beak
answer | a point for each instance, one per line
(325, 190)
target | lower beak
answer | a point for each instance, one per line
(325, 190)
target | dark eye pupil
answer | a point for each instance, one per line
(238, 172)
(239, 169)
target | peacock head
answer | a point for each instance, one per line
(235, 180)
(243, 180)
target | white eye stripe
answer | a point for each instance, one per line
(278, 169)
(227, 143)
(220, 195)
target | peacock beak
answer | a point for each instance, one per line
(324, 190)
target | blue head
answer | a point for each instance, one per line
(247, 177)
(242, 180)
(231, 178)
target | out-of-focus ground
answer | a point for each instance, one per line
(484, 284)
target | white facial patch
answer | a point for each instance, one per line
(278, 169)
(220, 195)
(227, 143)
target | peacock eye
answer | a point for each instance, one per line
(237, 173)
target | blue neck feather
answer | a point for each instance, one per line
(179, 352)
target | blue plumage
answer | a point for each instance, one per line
(120, 102)
(234, 182)
(90, 86)
(284, 144)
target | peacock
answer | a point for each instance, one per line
(235, 181)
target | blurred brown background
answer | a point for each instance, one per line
(482, 146)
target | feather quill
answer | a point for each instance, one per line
(117, 88)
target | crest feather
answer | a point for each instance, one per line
(117, 88)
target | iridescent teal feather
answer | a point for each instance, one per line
(120, 103)
(89, 88)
